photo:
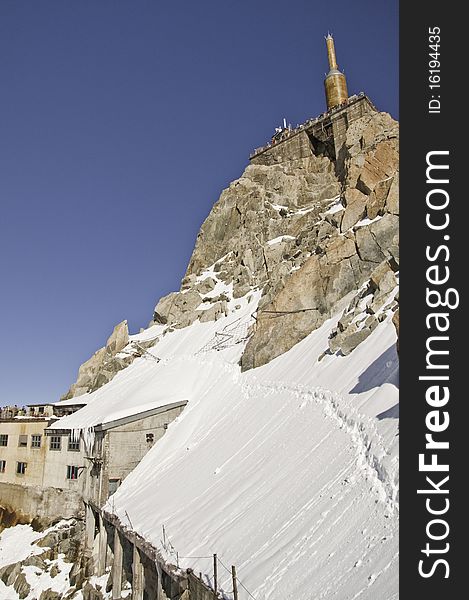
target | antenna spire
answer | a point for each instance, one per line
(335, 83)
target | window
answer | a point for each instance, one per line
(23, 441)
(113, 485)
(40, 410)
(3, 464)
(73, 445)
(3, 439)
(72, 472)
(21, 468)
(55, 442)
(36, 441)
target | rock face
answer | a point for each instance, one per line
(347, 244)
(306, 229)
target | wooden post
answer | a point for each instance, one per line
(235, 583)
(215, 574)
(102, 548)
(117, 567)
(89, 530)
(138, 584)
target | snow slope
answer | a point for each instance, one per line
(288, 471)
(18, 543)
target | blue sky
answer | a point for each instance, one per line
(121, 121)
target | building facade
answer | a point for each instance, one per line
(46, 472)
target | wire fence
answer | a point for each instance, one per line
(210, 581)
(229, 336)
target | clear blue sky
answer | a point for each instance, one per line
(120, 123)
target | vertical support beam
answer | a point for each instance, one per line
(159, 588)
(117, 567)
(89, 529)
(138, 583)
(215, 574)
(235, 583)
(102, 548)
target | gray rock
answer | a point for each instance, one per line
(50, 540)
(21, 586)
(240, 289)
(54, 571)
(388, 283)
(377, 199)
(188, 281)
(50, 595)
(215, 312)
(118, 339)
(376, 303)
(368, 248)
(377, 275)
(353, 340)
(9, 573)
(37, 560)
(392, 200)
(206, 285)
(345, 321)
(355, 209)
(371, 323)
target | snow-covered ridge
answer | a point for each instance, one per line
(268, 468)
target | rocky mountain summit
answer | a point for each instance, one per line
(309, 231)
(315, 234)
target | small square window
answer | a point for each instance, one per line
(36, 441)
(40, 410)
(73, 445)
(23, 441)
(3, 439)
(21, 468)
(55, 442)
(113, 485)
(72, 472)
(3, 465)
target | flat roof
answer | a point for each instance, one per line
(124, 420)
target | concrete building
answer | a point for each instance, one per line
(47, 473)
(118, 446)
(39, 475)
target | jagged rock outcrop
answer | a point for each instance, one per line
(362, 235)
(308, 231)
(367, 309)
(103, 365)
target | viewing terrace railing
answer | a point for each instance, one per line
(287, 134)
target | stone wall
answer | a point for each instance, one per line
(296, 147)
(42, 505)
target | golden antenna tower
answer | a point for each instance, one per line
(335, 83)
